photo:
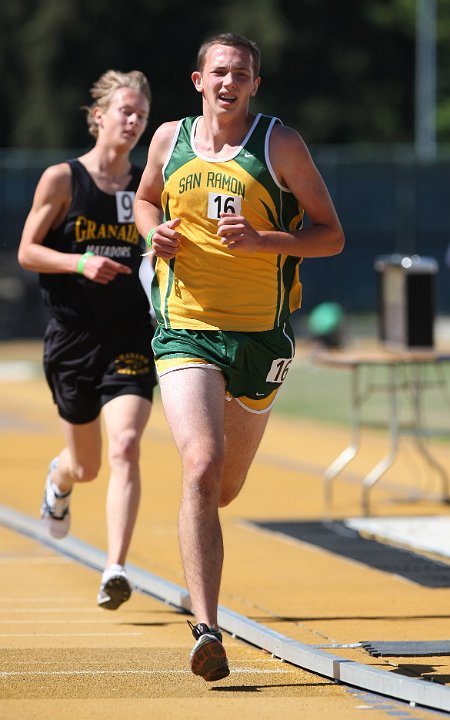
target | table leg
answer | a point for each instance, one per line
(380, 468)
(349, 453)
(417, 433)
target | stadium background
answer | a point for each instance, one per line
(344, 74)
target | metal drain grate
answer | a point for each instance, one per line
(341, 540)
(406, 648)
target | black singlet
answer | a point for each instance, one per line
(102, 223)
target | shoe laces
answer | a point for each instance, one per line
(203, 629)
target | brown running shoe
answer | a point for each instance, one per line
(208, 658)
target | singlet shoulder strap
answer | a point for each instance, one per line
(180, 150)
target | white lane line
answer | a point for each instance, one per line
(35, 560)
(52, 621)
(168, 671)
(49, 610)
(339, 669)
(108, 634)
(54, 598)
(31, 664)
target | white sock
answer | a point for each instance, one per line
(115, 567)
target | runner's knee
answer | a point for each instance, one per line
(202, 475)
(125, 447)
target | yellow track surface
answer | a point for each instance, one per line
(63, 657)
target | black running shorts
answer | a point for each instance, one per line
(86, 369)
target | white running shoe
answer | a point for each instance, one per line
(55, 511)
(115, 588)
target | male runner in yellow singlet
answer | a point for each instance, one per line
(221, 202)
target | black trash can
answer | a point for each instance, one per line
(406, 300)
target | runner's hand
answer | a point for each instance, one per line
(235, 231)
(103, 270)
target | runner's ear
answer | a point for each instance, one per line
(256, 86)
(196, 78)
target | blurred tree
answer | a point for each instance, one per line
(443, 77)
(339, 72)
(345, 71)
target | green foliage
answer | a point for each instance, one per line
(338, 72)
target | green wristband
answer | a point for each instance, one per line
(82, 261)
(149, 237)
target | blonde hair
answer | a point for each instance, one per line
(105, 87)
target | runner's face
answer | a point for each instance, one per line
(227, 80)
(125, 119)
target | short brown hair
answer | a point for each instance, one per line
(105, 87)
(233, 40)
